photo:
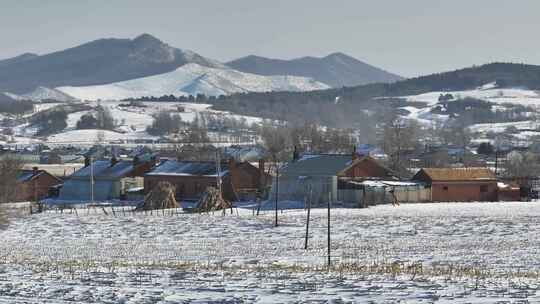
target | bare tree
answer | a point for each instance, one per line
(521, 165)
(196, 135)
(399, 135)
(9, 169)
(460, 135)
(277, 141)
(439, 159)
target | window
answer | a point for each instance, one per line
(484, 188)
(445, 188)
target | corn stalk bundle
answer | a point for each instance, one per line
(161, 197)
(212, 200)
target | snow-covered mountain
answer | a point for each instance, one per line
(336, 70)
(17, 59)
(193, 79)
(98, 62)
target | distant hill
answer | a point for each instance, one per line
(352, 100)
(6, 98)
(336, 70)
(502, 74)
(20, 58)
(97, 62)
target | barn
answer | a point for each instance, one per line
(459, 184)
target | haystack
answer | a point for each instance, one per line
(161, 197)
(212, 200)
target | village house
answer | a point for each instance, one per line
(111, 180)
(240, 180)
(320, 176)
(459, 184)
(61, 171)
(34, 184)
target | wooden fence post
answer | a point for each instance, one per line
(328, 236)
(307, 222)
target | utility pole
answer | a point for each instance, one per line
(35, 190)
(277, 191)
(496, 161)
(328, 236)
(218, 166)
(92, 179)
(218, 177)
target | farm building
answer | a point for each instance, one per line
(62, 171)
(191, 178)
(319, 176)
(34, 184)
(459, 184)
(112, 178)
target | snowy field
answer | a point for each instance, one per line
(418, 253)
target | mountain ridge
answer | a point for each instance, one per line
(336, 69)
(20, 58)
(100, 61)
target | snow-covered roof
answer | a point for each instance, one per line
(188, 168)
(384, 183)
(318, 164)
(26, 175)
(458, 174)
(103, 168)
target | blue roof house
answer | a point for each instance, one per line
(111, 181)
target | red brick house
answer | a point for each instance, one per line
(191, 178)
(459, 184)
(366, 167)
(34, 185)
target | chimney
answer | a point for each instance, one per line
(136, 161)
(35, 170)
(296, 156)
(86, 161)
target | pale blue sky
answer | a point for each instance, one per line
(408, 37)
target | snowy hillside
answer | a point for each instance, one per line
(131, 123)
(41, 94)
(487, 92)
(192, 79)
(422, 105)
(427, 109)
